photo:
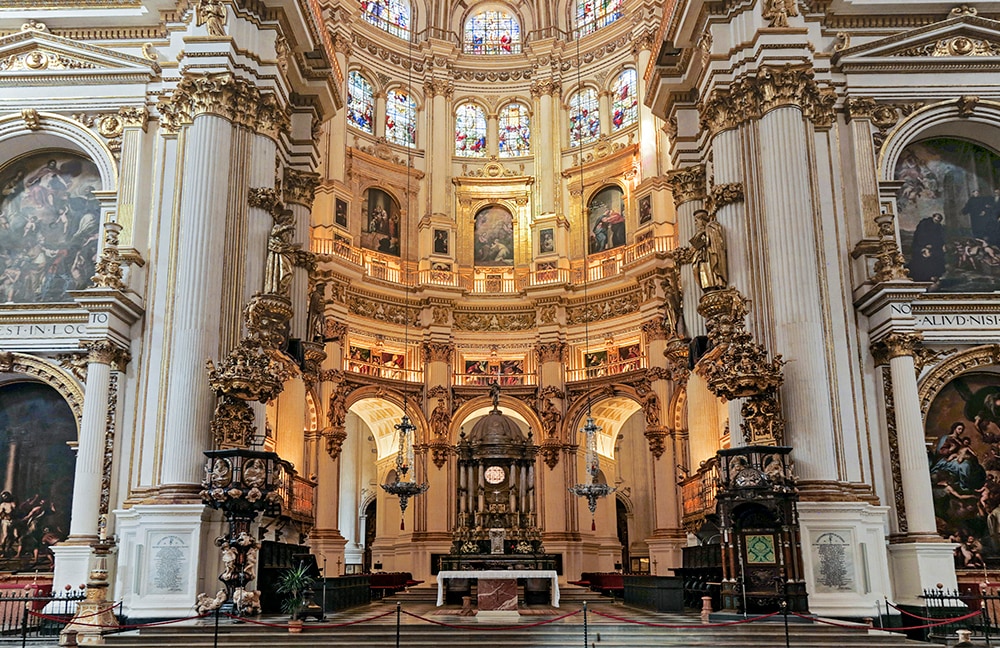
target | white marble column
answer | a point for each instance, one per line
(197, 295)
(795, 296)
(543, 143)
(442, 143)
(648, 131)
(492, 134)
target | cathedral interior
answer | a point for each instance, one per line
(581, 285)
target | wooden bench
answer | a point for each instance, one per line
(386, 583)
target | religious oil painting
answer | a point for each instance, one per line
(380, 216)
(546, 241)
(596, 363)
(440, 241)
(511, 372)
(606, 220)
(494, 237)
(949, 214)
(36, 428)
(963, 456)
(340, 212)
(645, 209)
(49, 227)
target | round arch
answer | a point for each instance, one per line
(975, 358)
(480, 402)
(577, 411)
(16, 366)
(404, 403)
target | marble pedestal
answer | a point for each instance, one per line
(496, 594)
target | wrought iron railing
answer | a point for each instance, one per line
(30, 611)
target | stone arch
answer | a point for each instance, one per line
(577, 411)
(12, 364)
(406, 403)
(515, 404)
(955, 365)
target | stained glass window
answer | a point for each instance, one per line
(492, 32)
(591, 15)
(624, 102)
(584, 117)
(360, 102)
(515, 130)
(391, 15)
(400, 118)
(470, 131)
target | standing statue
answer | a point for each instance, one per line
(673, 302)
(776, 12)
(709, 245)
(316, 322)
(278, 273)
(337, 413)
(549, 415)
(212, 14)
(650, 406)
(440, 419)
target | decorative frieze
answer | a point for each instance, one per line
(383, 311)
(495, 321)
(603, 309)
(956, 46)
(227, 96)
(438, 352)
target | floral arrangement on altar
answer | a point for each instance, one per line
(524, 547)
(469, 547)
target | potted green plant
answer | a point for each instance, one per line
(296, 584)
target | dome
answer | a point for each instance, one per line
(496, 429)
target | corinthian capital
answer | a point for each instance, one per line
(224, 95)
(107, 352)
(300, 186)
(896, 345)
(687, 184)
(438, 351)
(551, 352)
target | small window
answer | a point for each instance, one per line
(584, 117)
(392, 16)
(624, 102)
(515, 130)
(470, 131)
(400, 118)
(591, 15)
(360, 102)
(492, 32)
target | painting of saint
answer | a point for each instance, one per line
(380, 216)
(546, 241)
(596, 363)
(494, 234)
(440, 241)
(606, 220)
(963, 447)
(49, 227)
(949, 214)
(340, 213)
(37, 489)
(511, 372)
(645, 209)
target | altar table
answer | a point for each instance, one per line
(501, 574)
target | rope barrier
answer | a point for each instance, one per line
(940, 622)
(133, 626)
(911, 614)
(311, 626)
(686, 626)
(519, 626)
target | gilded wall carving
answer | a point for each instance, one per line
(494, 321)
(227, 96)
(687, 184)
(603, 309)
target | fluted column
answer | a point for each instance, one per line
(648, 131)
(604, 110)
(380, 114)
(796, 299)
(299, 188)
(103, 358)
(133, 125)
(865, 175)
(442, 142)
(688, 187)
(543, 142)
(197, 295)
(493, 133)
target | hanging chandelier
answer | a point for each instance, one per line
(592, 490)
(405, 486)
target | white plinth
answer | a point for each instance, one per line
(498, 616)
(921, 565)
(72, 566)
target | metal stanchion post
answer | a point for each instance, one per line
(784, 609)
(215, 638)
(984, 613)
(24, 625)
(586, 637)
(398, 611)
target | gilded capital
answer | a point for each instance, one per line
(107, 352)
(550, 352)
(224, 95)
(439, 87)
(896, 345)
(725, 194)
(134, 116)
(860, 108)
(547, 87)
(265, 198)
(687, 184)
(656, 329)
(438, 351)
(299, 186)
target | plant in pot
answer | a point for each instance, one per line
(296, 584)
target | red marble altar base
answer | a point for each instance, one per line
(497, 594)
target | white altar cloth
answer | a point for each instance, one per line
(500, 574)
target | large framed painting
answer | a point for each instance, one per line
(36, 428)
(963, 445)
(494, 232)
(949, 214)
(606, 220)
(380, 222)
(50, 223)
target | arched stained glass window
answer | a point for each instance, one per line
(624, 101)
(584, 117)
(400, 118)
(492, 32)
(515, 130)
(591, 15)
(470, 131)
(360, 102)
(391, 15)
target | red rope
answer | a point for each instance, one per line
(911, 614)
(903, 629)
(519, 626)
(117, 627)
(677, 626)
(311, 626)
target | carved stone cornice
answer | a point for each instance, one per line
(750, 97)
(224, 95)
(438, 352)
(299, 187)
(547, 87)
(687, 184)
(494, 321)
(107, 352)
(550, 352)
(895, 345)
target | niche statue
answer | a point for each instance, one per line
(709, 245)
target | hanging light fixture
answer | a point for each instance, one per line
(591, 489)
(405, 485)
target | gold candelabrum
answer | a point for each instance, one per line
(736, 366)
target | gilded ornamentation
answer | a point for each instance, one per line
(656, 437)
(69, 388)
(264, 198)
(890, 265)
(134, 116)
(677, 368)
(281, 51)
(299, 186)
(776, 12)
(439, 87)
(234, 424)
(923, 356)
(967, 105)
(895, 345)
(34, 25)
(762, 422)
(75, 363)
(551, 352)
(107, 352)
(941, 375)
(843, 41)
(955, 46)
(438, 352)
(725, 194)
(963, 10)
(710, 261)
(750, 97)
(212, 14)
(494, 321)
(333, 330)
(602, 310)
(656, 329)
(30, 118)
(382, 311)
(892, 435)
(334, 438)
(149, 52)
(104, 505)
(673, 303)
(226, 96)
(860, 108)
(495, 169)
(548, 314)
(687, 184)
(683, 255)
(278, 266)
(108, 270)
(38, 60)
(440, 315)
(550, 449)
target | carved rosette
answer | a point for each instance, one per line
(750, 97)
(438, 352)
(107, 352)
(227, 96)
(890, 265)
(687, 184)
(299, 187)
